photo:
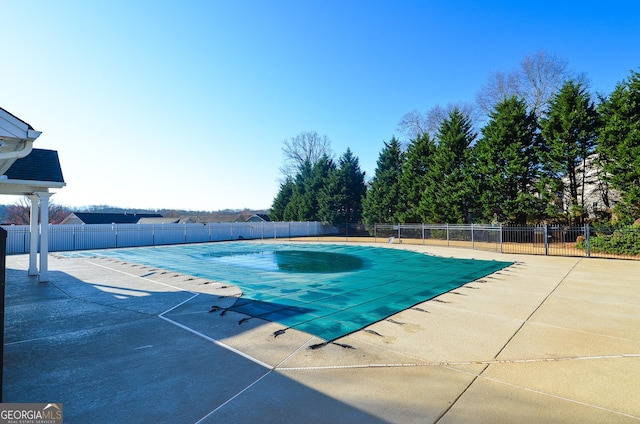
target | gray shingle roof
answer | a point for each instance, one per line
(116, 218)
(39, 165)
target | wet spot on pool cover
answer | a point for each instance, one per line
(325, 290)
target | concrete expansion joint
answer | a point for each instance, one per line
(551, 395)
(457, 363)
(538, 307)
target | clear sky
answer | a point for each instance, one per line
(185, 104)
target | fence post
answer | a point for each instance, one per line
(375, 233)
(398, 232)
(587, 236)
(422, 233)
(447, 234)
(501, 238)
(546, 240)
(473, 244)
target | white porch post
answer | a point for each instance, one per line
(33, 240)
(44, 237)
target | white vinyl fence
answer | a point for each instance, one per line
(105, 236)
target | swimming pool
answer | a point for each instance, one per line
(323, 289)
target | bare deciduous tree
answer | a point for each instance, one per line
(20, 212)
(541, 75)
(57, 213)
(414, 123)
(536, 80)
(499, 86)
(306, 146)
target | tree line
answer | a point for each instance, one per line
(19, 213)
(558, 156)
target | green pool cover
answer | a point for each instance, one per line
(325, 290)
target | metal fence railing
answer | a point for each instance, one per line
(102, 236)
(553, 240)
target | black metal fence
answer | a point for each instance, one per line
(553, 240)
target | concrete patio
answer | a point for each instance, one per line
(549, 339)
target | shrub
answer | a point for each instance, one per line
(623, 241)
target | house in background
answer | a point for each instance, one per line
(160, 220)
(259, 217)
(79, 218)
(598, 197)
(25, 171)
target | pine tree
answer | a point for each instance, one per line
(569, 132)
(300, 203)
(449, 196)
(341, 200)
(281, 200)
(382, 201)
(506, 163)
(619, 145)
(413, 180)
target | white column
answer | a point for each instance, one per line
(33, 240)
(44, 237)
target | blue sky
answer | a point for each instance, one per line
(185, 104)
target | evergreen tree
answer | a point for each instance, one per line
(281, 200)
(506, 163)
(382, 201)
(413, 180)
(619, 145)
(449, 196)
(569, 132)
(304, 204)
(341, 200)
(300, 203)
(314, 187)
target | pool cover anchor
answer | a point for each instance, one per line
(215, 308)
(280, 332)
(415, 308)
(319, 345)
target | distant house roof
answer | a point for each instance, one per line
(39, 165)
(158, 220)
(107, 218)
(259, 217)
